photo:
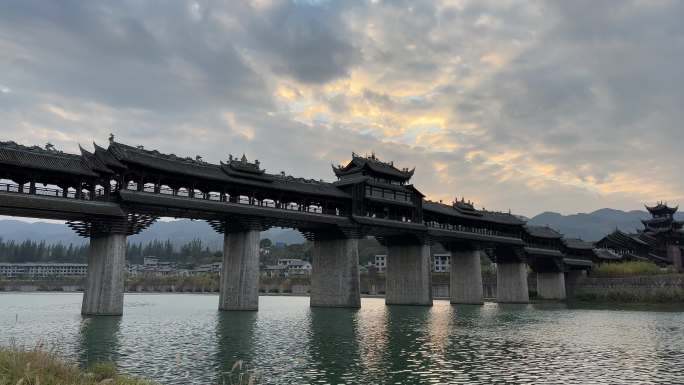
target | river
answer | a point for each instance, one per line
(184, 339)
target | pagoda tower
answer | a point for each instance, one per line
(667, 232)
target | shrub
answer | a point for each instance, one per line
(628, 269)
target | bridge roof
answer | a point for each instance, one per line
(578, 244)
(13, 154)
(477, 215)
(169, 163)
(359, 163)
(543, 232)
(231, 172)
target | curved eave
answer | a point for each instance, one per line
(535, 251)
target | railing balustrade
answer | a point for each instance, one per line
(52, 192)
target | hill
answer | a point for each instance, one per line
(593, 226)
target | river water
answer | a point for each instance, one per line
(184, 339)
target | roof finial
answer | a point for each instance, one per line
(244, 158)
(111, 138)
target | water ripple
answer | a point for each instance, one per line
(183, 339)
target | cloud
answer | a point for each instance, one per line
(552, 106)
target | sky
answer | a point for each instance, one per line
(528, 106)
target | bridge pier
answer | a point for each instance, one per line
(335, 273)
(104, 287)
(465, 285)
(511, 282)
(675, 255)
(239, 281)
(408, 276)
(551, 285)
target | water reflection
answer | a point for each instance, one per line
(99, 339)
(333, 345)
(182, 340)
(406, 337)
(235, 343)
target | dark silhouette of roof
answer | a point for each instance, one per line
(47, 159)
(661, 209)
(478, 215)
(360, 163)
(543, 232)
(578, 244)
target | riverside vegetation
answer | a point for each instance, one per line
(632, 282)
(38, 367)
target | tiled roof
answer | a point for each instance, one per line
(607, 255)
(372, 163)
(167, 162)
(478, 215)
(13, 154)
(543, 232)
(578, 244)
(221, 173)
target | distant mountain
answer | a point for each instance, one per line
(179, 232)
(595, 225)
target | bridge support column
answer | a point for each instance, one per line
(551, 285)
(572, 278)
(675, 255)
(511, 282)
(335, 273)
(465, 285)
(408, 276)
(239, 282)
(104, 287)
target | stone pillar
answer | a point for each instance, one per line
(511, 282)
(239, 281)
(572, 278)
(104, 287)
(335, 273)
(675, 255)
(551, 285)
(408, 276)
(465, 285)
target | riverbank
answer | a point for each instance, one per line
(29, 367)
(650, 288)
(39, 367)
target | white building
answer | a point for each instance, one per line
(209, 268)
(42, 270)
(286, 267)
(381, 262)
(441, 263)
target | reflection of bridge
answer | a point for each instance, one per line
(111, 193)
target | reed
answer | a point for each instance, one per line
(37, 366)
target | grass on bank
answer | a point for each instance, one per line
(37, 367)
(628, 269)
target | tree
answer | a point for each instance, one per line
(265, 243)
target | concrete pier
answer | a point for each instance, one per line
(572, 277)
(239, 282)
(408, 277)
(675, 255)
(335, 274)
(551, 285)
(104, 287)
(511, 283)
(466, 278)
